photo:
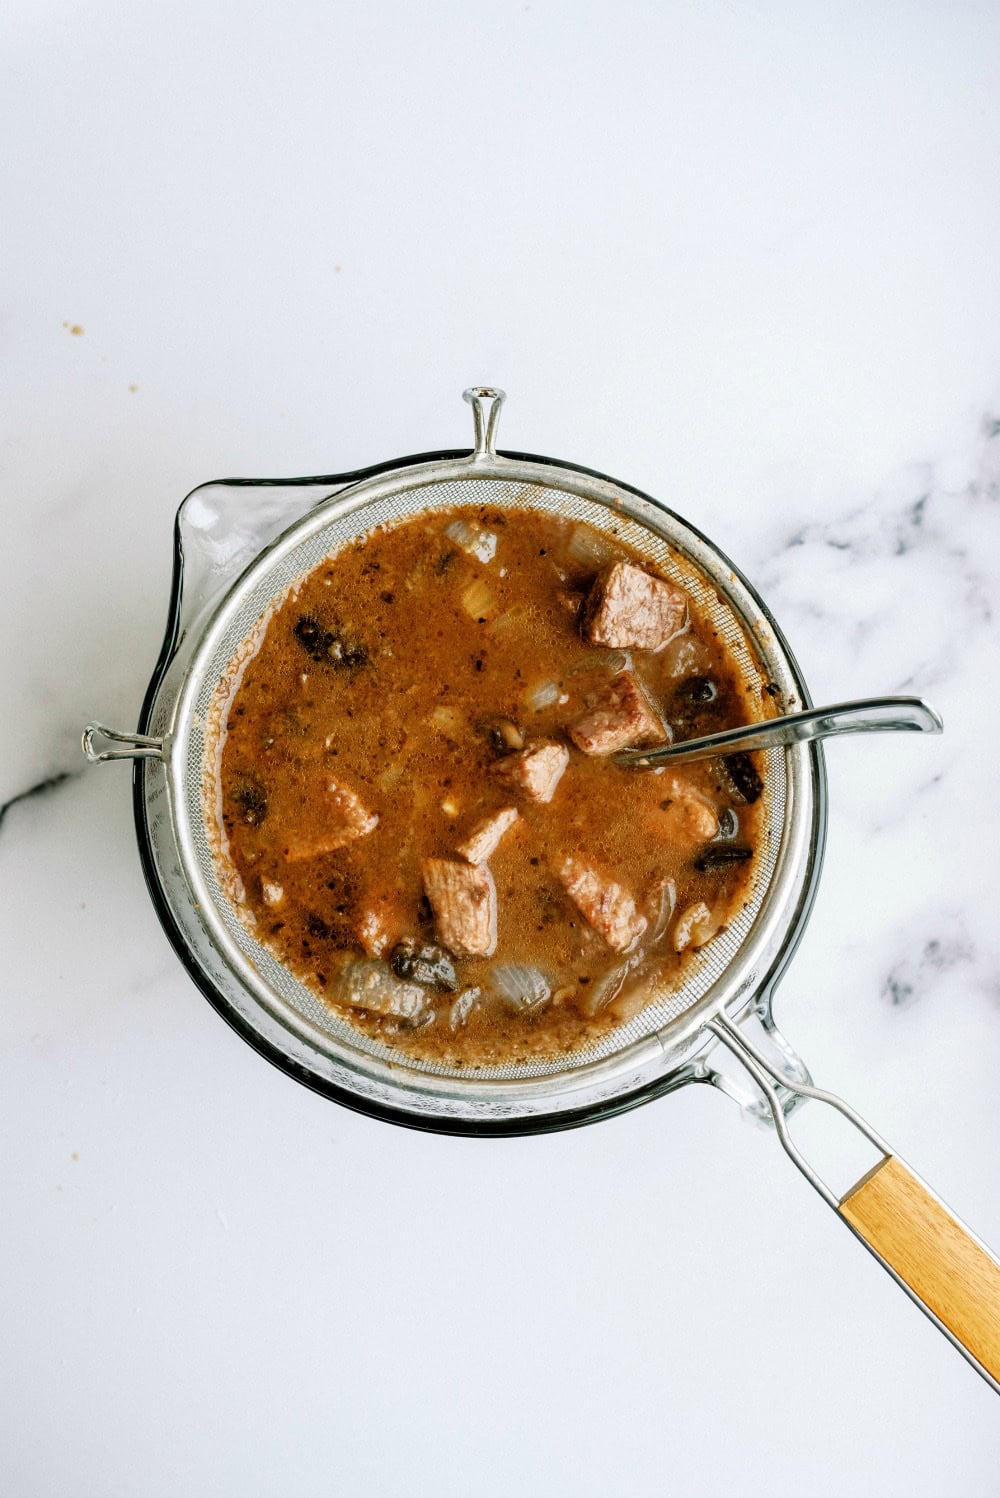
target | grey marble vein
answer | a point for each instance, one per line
(914, 977)
(39, 789)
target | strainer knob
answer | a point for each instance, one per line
(485, 422)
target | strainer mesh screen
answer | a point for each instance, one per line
(197, 773)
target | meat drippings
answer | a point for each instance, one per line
(414, 778)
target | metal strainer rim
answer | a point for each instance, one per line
(553, 477)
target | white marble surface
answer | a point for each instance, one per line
(743, 257)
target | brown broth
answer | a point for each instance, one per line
(386, 670)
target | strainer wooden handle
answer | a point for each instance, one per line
(944, 1267)
(948, 1272)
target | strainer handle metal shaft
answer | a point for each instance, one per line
(866, 715)
(949, 1273)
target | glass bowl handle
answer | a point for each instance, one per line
(221, 527)
(218, 531)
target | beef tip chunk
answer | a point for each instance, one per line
(339, 819)
(683, 817)
(373, 938)
(483, 840)
(604, 904)
(463, 898)
(620, 719)
(629, 608)
(536, 771)
(379, 926)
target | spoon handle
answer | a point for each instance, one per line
(867, 715)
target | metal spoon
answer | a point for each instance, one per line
(867, 715)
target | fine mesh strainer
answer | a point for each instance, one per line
(239, 544)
